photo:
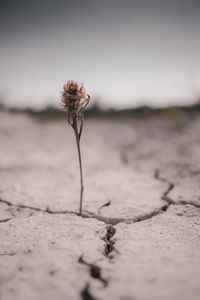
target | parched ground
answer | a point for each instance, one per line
(139, 236)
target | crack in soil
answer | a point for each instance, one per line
(91, 215)
(8, 254)
(85, 293)
(150, 215)
(171, 186)
(47, 210)
(85, 215)
(5, 220)
(109, 246)
(114, 221)
(95, 271)
(104, 205)
(183, 202)
(165, 196)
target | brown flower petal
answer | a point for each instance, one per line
(74, 97)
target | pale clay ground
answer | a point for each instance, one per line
(144, 245)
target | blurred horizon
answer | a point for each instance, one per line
(127, 53)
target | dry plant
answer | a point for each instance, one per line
(74, 101)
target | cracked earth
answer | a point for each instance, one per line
(139, 236)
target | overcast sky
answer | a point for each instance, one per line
(127, 53)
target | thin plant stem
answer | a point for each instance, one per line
(74, 100)
(78, 135)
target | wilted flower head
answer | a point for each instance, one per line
(74, 97)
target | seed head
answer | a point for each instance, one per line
(74, 98)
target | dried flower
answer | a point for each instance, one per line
(74, 101)
(74, 98)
